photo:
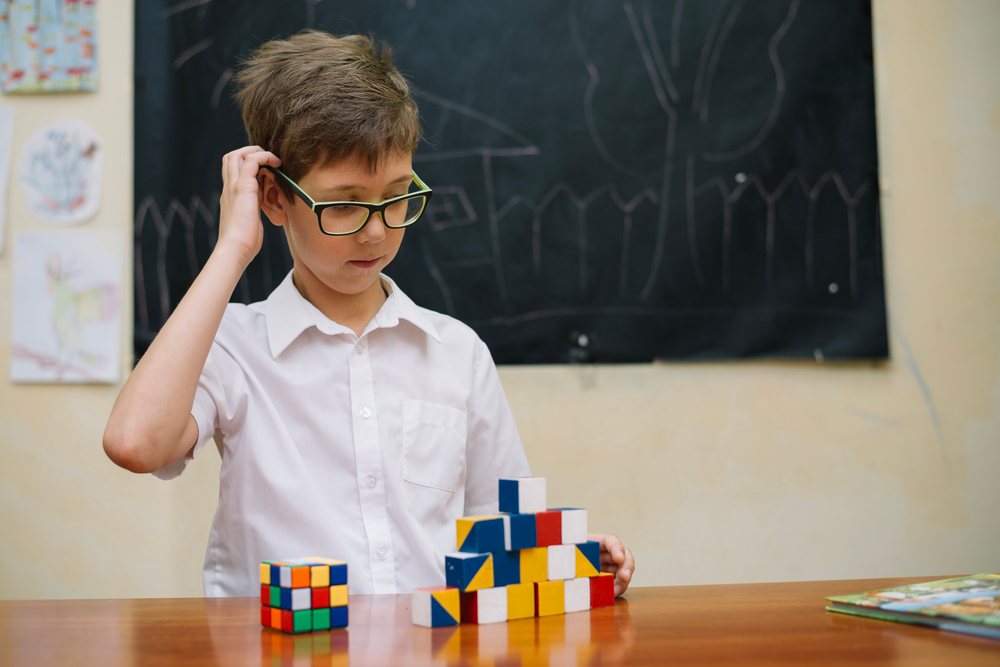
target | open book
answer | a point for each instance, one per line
(963, 604)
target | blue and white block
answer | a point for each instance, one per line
(519, 532)
(522, 495)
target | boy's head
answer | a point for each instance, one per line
(315, 99)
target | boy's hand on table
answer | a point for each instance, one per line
(240, 226)
(617, 559)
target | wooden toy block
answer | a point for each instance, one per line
(574, 525)
(519, 531)
(487, 605)
(550, 598)
(520, 601)
(548, 528)
(602, 590)
(534, 564)
(436, 606)
(338, 595)
(338, 617)
(588, 559)
(480, 534)
(506, 568)
(468, 572)
(522, 495)
(577, 595)
(562, 561)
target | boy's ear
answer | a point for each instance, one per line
(272, 199)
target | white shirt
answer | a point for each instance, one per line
(364, 449)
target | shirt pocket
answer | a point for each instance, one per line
(433, 444)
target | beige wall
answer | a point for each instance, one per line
(712, 472)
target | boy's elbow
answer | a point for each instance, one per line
(129, 450)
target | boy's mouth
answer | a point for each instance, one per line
(365, 263)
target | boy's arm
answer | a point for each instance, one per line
(151, 424)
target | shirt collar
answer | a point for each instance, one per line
(287, 314)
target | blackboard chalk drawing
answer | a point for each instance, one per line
(672, 178)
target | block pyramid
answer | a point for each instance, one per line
(527, 561)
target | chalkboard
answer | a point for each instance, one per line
(614, 181)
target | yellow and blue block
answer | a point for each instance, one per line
(436, 606)
(588, 559)
(480, 534)
(468, 571)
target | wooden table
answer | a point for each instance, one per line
(754, 624)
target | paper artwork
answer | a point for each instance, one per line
(48, 46)
(67, 306)
(60, 172)
(6, 147)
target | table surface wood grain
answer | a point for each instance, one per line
(745, 624)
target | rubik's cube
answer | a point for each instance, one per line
(527, 561)
(303, 594)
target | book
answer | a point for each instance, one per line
(963, 604)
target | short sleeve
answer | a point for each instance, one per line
(493, 449)
(208, 398)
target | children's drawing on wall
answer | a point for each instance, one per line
(60, 172)
(48, 46)
(6, 144)
(67, 306)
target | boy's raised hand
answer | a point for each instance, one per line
(617, 559)
(240, 227)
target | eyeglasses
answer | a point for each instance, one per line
(343, 218)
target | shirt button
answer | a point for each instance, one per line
(365, 413)
(371, 481)
(381, 552)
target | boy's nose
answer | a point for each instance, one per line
(374, 229)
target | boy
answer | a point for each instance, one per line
(350, 421)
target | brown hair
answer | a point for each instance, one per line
(316, 99)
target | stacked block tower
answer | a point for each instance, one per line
(303, 594)
(527, 561)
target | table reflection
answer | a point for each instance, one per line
(381, 633)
